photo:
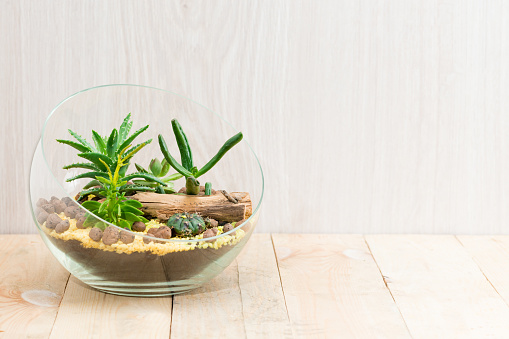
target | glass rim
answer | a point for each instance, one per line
(123, 229)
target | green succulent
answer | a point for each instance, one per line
(159, 169)
(186, 224)
(115, 209)
(103, 158)
(187, 168)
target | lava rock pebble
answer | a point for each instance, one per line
(95, 234)
(212, 222)
(52, 221)
(208, 234)
(42, 216)
(164, 232)
(41, 202)
(80, 221)
(126, 237)
(60, 206)
(215, 230)
(139, 226)
(49, 208)
(71, 211)
(68, 201)
(228, 227)
(110, 235)
(62, 226)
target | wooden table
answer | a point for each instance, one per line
(282, 285)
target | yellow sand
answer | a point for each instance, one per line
(74, 233)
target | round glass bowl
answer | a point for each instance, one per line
(147, 265)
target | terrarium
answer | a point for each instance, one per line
(140, 191)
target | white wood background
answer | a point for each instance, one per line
(368, 116)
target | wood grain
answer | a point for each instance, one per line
(491, 253)
(32, 283)
(214, 310)
(87, 313)
(400, 105)
(439, 290)
(263, 302)
(333, 288)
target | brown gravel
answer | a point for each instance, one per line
(111, 235)
(208, 234)
(70, 211)
(49, 208)
(41, 202)
(215, 230)
(228, 227)
(52, 221)
(60, 206)
(126, 237)
(212, 222)
(164, 232)
(42, 216)
(62, 226)
(80, 221)
(68, 201)
(139, 226)
(95, 234)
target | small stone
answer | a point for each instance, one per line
(153, 230)
(60, 206)
(80, 221)
(41, 202)
(111, 235)
(139, 226)
(212, 222)
(79, 213)
(208, 234)
(164, 232)
(52, 221)
(228, 227)
(70, 211)
(215, 230)
(53, 198)
(49, 208)
(126, 237)
(95, 234)
(147, 240)
(62, 226)
(68, 201)
(42, 216)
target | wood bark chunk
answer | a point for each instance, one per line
(215, 206)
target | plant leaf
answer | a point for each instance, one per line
(123, 131)
(82, 141)
(129, 140)
(133, 203)
(95, 191)
(91, 183)
(96, 159)
(133, 210)
(222, 151)
(140, 168)
(111, 146)
(76, 145)
(82, 165)
(147, 176)
(91, 175)
(124, 224)
(170, 159)
(133, 150)
(91, 205)
(99, 142)
(130, 217)
(134, 188)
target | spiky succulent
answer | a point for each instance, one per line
(103, 158)
(186, 224)
(115, 208)
(159, 169)
(187, 169)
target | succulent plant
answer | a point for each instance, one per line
(158, 169)
(115, 208)
(186, 224)
(103, 158)
(187, 168)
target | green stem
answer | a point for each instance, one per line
(173, 163)
(192, 186)
(222, 151)
(186, 156)
(208, 188)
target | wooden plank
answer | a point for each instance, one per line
(32, 283)
(211, 311)
(491, 253)
(263, 303)
(439, 290)
(88, 313)
(333, 288)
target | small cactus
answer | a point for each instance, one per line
(186, 224)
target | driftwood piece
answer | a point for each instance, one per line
(215, 206)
